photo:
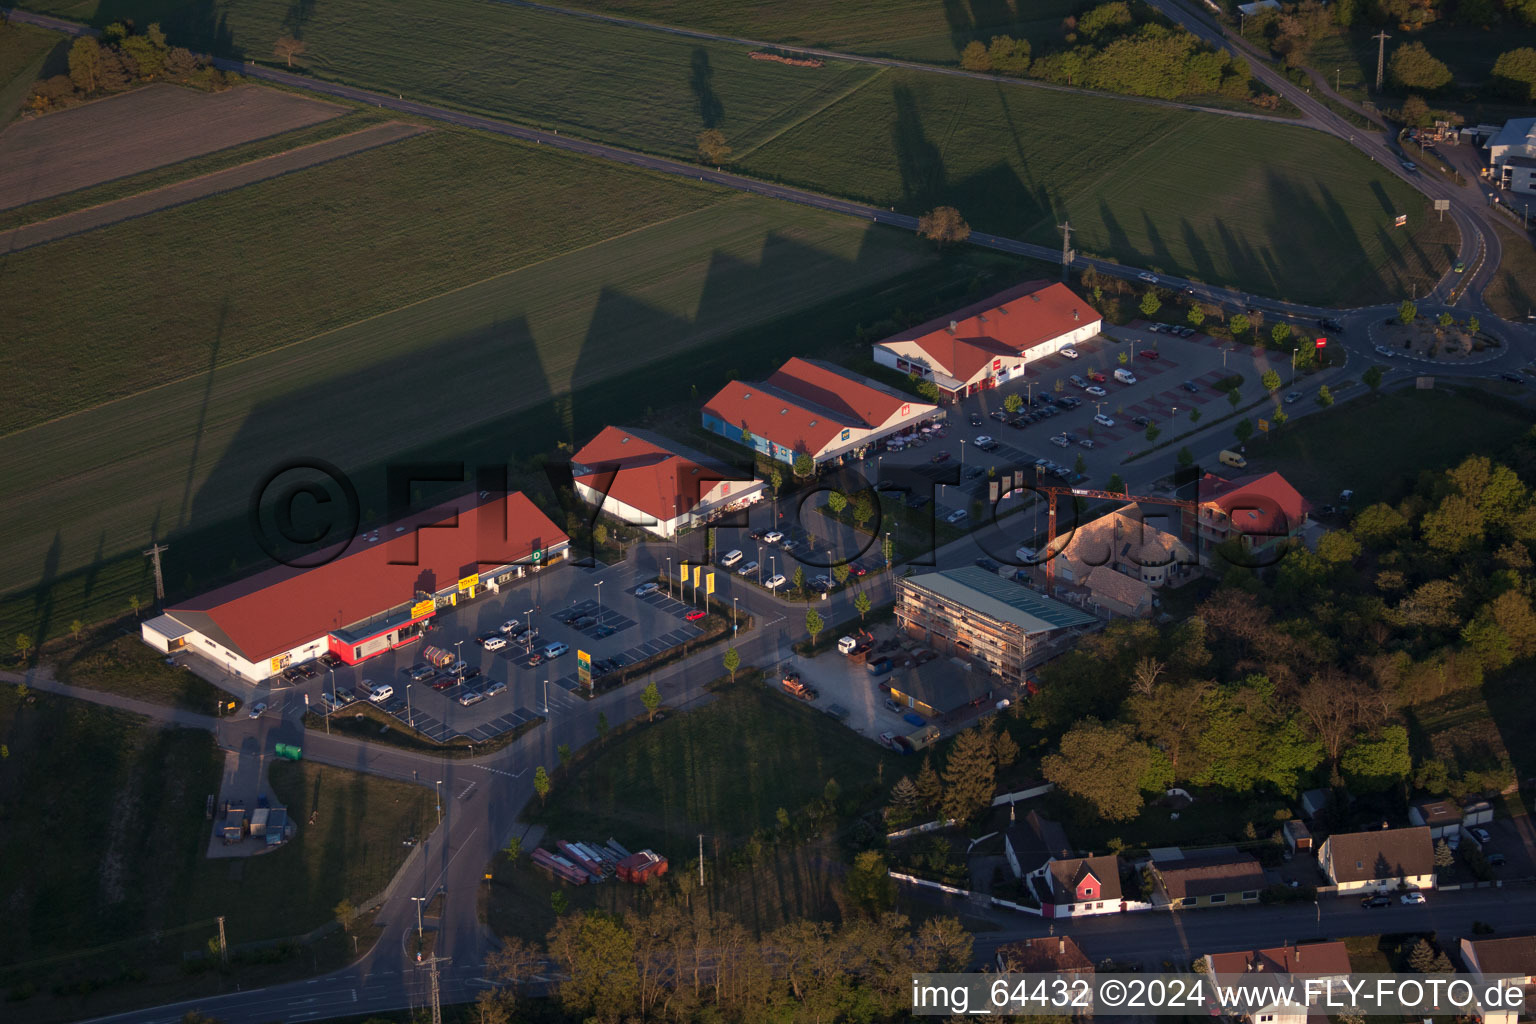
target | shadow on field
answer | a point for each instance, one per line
(919, 161)
(968, 17)
(199, 26)
(702, 82)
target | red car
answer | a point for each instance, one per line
(941, 457)
(1150, 353)
(1096, 377)
(695, 615)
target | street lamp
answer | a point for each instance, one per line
(438, 789)
(887, 549)
(759, 565)
(410, 719)
(599, 586)
(459, 657)
(1224, 356)
(669, 577)
(962, 453)
(1294, 352)
(733, 614)
(419, 901)
(332, 673)
(1133, 347)
(546, 696)
(528, 633)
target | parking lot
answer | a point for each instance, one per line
(504, 688)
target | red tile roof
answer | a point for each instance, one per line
(1508, 954)
(636, 469)
(285, 607)
(770, 413)
(851, 398)
(1008, 323)
(1044, 955)
(1330, 958)
(1067, 874)
(1264, 506)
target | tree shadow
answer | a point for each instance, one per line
(1198, 252)
(918, 159)
(200, 26)
(297, 16)
(701, 81)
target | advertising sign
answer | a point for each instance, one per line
(584, 668)
(469, 582)
(421, 608)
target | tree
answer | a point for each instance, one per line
(1196, 316)
(713, 149)
(870, 885)
(541, 783)
(513, 849)
(861, 604)
(1324, 396)
(1123, 358)
(837, 501)
(804, 465)
(1421, 957)
(944, 226)
(1013, 403)
(1376, 765)
(1234, 398)
(1081, 465)
(974, 57)
(1152, 432)
(1337, 706)
(1514, 74)
(1150, 303)
(840, 573)
(288, 47)
(1474, 325)
(1009, 56)
(1279, 418)
(650, 698)
(929, 390)
(1005, 748)
(813, 624)
(345, 913)
(1239, 324)
(564, 752)
(134, 603)
(602, 726)
(1444, 855)
(731, 661)
(1185, 457)
(559, 902)
(1105, 766)
(970, 776)
(1372, 378)
(493, 1008)
(75, 628)
(1412, 66)
(905, 802)
(1415, 112)
(24, 645)
(85, 64)
(1445, 319)
(1280, 333)
(775, 479)
(1407, 312)
(930, 789)
(798, 579)
(888, 550)
(1243, 430)
(863, 509)
(1271, 381)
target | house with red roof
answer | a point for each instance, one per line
(371, 594)
(1325, 964)
(1259, 511)
(993, 340)
(656, 483)
(1078, 886)
(813, 407)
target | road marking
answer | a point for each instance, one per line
(500, 771)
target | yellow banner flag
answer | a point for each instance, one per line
(685, 574)
(709, 584)
(698, 570)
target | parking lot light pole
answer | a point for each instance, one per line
(332, 674)
(759, 565)
(599, 586)
(1293, 363)
(546, 696)
(438, 789)
(733, 614)
(459, 657)
(962, 453)
(528, 648)
(669, 578)
(419, 901)
(410, 719)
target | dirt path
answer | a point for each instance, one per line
(203, 186)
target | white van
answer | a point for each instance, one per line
(1233, 459)
(378, 692)
(730, 559)
(1103, 421)
(1125, 376)
(846, 645)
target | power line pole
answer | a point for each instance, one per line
(1381, 55)
(1066, 248)
(437, 996)
(701, 860)
(155, 552)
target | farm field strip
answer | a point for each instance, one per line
(215, 183)
(139, 130)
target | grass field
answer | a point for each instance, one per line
(1468, 51)
(1324, 454)
(911, 29)
(24, 50)
(1512, 291)
(121, 664)
(161, 176)
(635, 87)
(1283, 211)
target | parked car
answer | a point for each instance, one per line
(646, 589)
(941, 457)
(1103, 421)
(1481, 835)
(1097, 377)
(445, 683)
(1069, 402)
(330, 660)
(1190, 386)
(1060, 441)
(1086, 442)
(772, 537)
(695, 614)
(1292, 397)
(1185, 332)
(510, 626)
(418, 672)
(457, 667)
(1148, 276)
(893, 707)
(1372, 902)
(983, 441)
(1096, 391)
(775, 582)
(975, 419)
(378, 692)
(999, 415)
(258, 709)
(1141, 421)
(1077, 381)
(731, 558)
(495, 643)
(747, 570)
(823, 583)
(1384, 352)
(585, 622)
(470, 673)
(957, 516)
(1329, 324)
(555, 649)
(1412, 898)
(888, 740)
(1155, 328)
(603, 631)
(1070, 352)
(471, 698)
(497, 687)
(1150, 353)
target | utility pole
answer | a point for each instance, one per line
(701, 860)
(437, 996)
(1381, 55)
(223, 946)
(1066, 248)
(155, 552)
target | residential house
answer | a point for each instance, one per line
(1262, 513)
(1512, 955)
(1379, 859)
(1205, 878)
(1323, 960)
(1031, 842)
(1078, 886)
(1441, 816)
(1512, 155)
(992, 341)
(1056, 954)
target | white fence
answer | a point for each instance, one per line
(917, 830)
(1023, 794)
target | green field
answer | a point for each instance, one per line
(629, 86)
(1338, 449)
(1283, 211)
(911, 29)
(1512, 291)
(1468, 51)
(338, 305)
(24, 51)
(115, 663)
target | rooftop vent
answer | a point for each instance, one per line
(783, 412)
(1034, 297)
(953, 327)
(1075, 316)
(1003, 310)
(746, 395)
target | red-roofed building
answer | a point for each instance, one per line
(1326, 962)
(994, 340)
(1257, 510)
(656, 483)
(375, 593)
(812, 407)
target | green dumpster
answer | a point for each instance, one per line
(289, 751)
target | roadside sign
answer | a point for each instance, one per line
(1264, 425)
(1322, 342)
(1424, 383)
(584, 668)
(1402, 219)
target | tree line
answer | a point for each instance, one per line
(119, 60)
(1303, 673)
(1117, 48)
